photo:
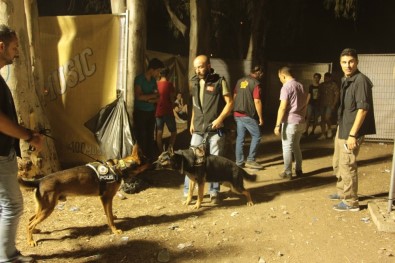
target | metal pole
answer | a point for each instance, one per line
(392, 183)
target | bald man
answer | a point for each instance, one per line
(212, 102)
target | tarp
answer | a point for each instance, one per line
(80, 57)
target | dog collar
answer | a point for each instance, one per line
(121, 164)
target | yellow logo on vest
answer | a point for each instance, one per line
(244, 84)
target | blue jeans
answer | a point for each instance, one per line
(250, 124)
(215, 144)
(11, 206)
(290, 138)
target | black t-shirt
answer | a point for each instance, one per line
(355, 94)
(314, 98)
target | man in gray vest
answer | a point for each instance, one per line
(212, 102)
(248, 115)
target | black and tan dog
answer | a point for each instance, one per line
(209, 169)
(80, 180)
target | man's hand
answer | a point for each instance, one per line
(191, 128)
(37, 141)
(277, 130)
(216, 124)
(352, 143)
(260, 122)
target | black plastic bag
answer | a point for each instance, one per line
(112, 130)
(134, 185)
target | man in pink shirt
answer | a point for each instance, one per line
(291, 121)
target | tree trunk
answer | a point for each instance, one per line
(199, 33)
(118, 6)
(177, 22)
(136, 47)
(50, 162)
(256, 44)
(21, 83)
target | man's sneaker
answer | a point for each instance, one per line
(329, 134)
(215, 199)
(335, 197)
(299, 173)
(23, 259)
(322, 137)
(284, 175)
(253, 165)
(344, 207)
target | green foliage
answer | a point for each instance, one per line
(98, 6)
(343, 8)
(90, 6)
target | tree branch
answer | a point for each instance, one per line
(177, 22)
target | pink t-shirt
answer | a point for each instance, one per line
(165, 105)
(294, 93)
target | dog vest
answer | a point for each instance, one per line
(105, 173)
(200, 154)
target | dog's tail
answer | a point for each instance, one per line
(26, 183)
(249, 177)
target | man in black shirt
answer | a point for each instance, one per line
(11, 201)
(356, 119)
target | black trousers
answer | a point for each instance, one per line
(144, 128)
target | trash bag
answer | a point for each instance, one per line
(112, 130)
(134, 185)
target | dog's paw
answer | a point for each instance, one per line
(187, 202)
(117, 231)
(32, 243)
(197, 206)
(250, 203)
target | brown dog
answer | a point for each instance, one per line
(80, 180)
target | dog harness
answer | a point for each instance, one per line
(200, 154)
(106, 173)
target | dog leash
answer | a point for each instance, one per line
(47, 132)
(44, 132)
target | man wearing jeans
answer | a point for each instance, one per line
(248, 115)
(291, 119)
(212, 103)
(356, 119)
(11, 200)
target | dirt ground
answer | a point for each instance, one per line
(291, 221)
